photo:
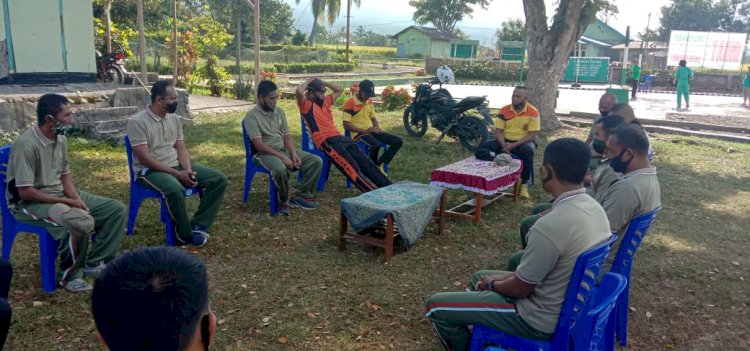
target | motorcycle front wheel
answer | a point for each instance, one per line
(415, 125)
(472, 132)
(115, 75)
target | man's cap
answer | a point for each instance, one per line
(316, 85)
(367, 88)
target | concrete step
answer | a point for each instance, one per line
(116, 125)
(92, 115)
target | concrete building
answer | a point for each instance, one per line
(46, 41)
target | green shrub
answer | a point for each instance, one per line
(485, 70)
(313, 67)
(394, 99)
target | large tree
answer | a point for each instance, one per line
(704, 15)
(511, 30)
(444, 14)
(324, 8)
(275, 18)
(549, 47)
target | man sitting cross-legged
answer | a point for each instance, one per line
(527, 302)
(359, 118)
(315, 107)
(269, 134)
(154, 298)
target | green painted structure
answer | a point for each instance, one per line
(47, 41)
(415, 41)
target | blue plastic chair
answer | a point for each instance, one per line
(11, 227)
(309, 146)
(139, 193)
(363, 147)
(631, 241)
(645, 85)
(581, 286)
(251, 168)
(590, 329)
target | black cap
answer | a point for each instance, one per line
(316, 85)
(367, 88)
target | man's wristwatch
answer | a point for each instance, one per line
(490, 285)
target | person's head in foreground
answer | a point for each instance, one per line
(606, 103)
(564, 165)
(154, 298)
(603, 129)
(627, 148)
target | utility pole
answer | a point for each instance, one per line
(645, 53)
(238, 42)
(176, 64)
(625, 59)
(256, 37)
(141, 41)
(348, 20)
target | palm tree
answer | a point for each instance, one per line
(329, 7)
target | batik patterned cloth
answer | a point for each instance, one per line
(411, 204)
(484, 177)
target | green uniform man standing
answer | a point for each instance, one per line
(41, 192)
(682, 79)
(635, 77)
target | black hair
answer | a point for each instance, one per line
(159, 89)
(49, 105)
(683, 63)
(265, 87)
(569, 158)
(522, 87)
(611, 122)
(632, 136)
(150, 299)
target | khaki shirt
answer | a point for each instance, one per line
(271, 127)
(603, 178)
(575, 224)
(635, 193)
(159, 134)
(38, 162)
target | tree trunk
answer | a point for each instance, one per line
(142, 42)
(108, 24)
(311, 40)
(256, 38)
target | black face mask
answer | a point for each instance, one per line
(546, 179)
(618, 164)
(604, 113)
(265, 107)
(599, 146)
(205, 332)
(172, 108)
(318, 100)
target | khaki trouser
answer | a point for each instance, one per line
(73, 227)
(311, 168)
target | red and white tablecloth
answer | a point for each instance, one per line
(484, 177)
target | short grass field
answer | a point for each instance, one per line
(280, 283)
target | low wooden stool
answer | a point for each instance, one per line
(389, 230)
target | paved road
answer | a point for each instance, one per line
(650, 106)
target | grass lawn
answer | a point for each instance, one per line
(280, 283)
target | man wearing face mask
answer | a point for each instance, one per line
(41, 192)
(315, 108)
(274, 150)
(526, 301)
(515, 130)
(637, 191)
(606, 104)
(154, 298)
(162, 163)
(603, 175)
(628, 114)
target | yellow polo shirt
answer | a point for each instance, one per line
(358, 113)
(516, 125)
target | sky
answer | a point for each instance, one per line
(391, 16)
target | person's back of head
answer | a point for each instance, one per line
(610, 122)
(568, 158)
(624, 110)
(153, 299)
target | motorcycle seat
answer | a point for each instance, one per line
(469, 102)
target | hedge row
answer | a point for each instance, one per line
(313, 67)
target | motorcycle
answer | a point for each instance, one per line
(448, 115)
(110, 67)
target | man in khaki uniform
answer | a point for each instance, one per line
(637, 191)
(41, 192)
(603, 175)
(274, 150)
(162, 163)
(527, 302)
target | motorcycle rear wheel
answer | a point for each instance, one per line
(415, 125)
(472, 132)
(115, 75)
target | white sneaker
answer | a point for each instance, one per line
(78, 285)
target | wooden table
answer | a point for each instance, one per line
(485, 179)
(388, 231)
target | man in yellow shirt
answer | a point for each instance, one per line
(359, 119)
(515, 130)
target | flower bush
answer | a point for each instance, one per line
(394, 99)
